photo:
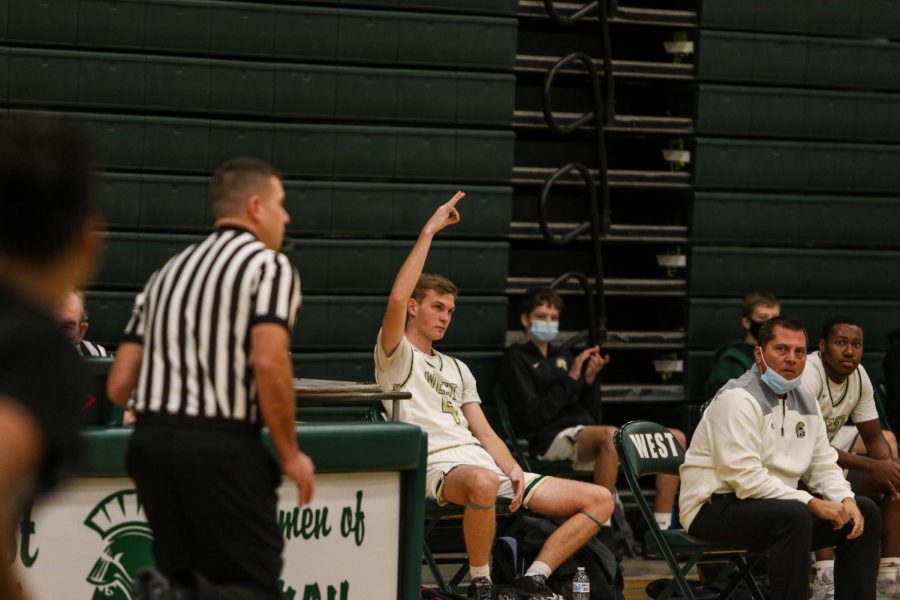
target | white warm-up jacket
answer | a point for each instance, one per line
(754, 444)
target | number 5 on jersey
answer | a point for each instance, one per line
(448, 407)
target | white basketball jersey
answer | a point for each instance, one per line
(838, 401)
(439, 385)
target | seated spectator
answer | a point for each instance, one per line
(73, 319)
(732, 359)
(548, 392)
(760, 436)
(842, 387)
(468, 464)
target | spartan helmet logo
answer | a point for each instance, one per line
(119, 520)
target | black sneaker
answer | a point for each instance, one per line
(150, 584)
(534, 587)
(481, 588)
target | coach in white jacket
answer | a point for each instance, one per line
(760, 436)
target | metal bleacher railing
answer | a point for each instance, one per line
(596, 189)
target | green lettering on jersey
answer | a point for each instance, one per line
(448, 392)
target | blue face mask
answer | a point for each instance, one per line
(777, 383)
(544, 331)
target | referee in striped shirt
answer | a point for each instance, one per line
(207, 357)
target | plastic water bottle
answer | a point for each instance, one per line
(581, 585)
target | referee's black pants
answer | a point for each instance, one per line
(208, 491)
(789, 532)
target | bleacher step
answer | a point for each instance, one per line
(675, 234)
(612, 286)
(529, 63)
(617, 178)
(623, 14)
(623, 123)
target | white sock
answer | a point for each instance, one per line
(538, 568)
(888, 569)
(822, 565)
(663, 519)
(484, 571)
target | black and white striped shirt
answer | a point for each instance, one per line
(86, 348)
(194, 318)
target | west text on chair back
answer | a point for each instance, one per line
(647, 448)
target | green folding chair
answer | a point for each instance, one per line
(647, 448)
(519, 448)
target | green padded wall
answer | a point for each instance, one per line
(297, 33)
(335, 323)
(797, 113)
(711, 321)
(864, 18)
(723, 271)
(375, 111)
(505, 7)
(796, 166)
(326, 266)
(728, 217)
(172, 202)
(346, 151)
(163, 83)
(782, 59)
(328, 323)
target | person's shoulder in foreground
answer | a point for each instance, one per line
(49, 243)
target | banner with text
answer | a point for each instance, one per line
(89, 540)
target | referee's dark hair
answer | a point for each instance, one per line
(46, 186)
(235, 180)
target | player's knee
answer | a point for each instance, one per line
(604, 436)
(598, 502)
(483, 487)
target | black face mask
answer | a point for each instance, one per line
(754, 327)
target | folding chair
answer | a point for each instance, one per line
(434, 514)
(506, 432)
(647, 448)
(519, 448)
(556, 468)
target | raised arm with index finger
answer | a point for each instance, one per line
(394, 321)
